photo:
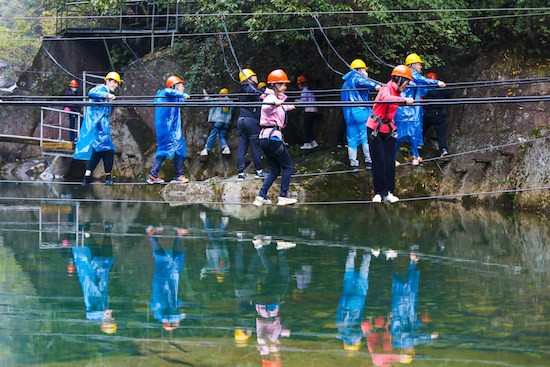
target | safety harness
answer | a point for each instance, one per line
(383, 121)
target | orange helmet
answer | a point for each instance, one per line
(277, 76)
(402, 70)
(301, 79)
(173, 80)
(431, 75)
(73, 84)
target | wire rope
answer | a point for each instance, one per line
(142, 64)
(321, 54)
(225, 61)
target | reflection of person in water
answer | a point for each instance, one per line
(217, 255)
(93, 263)
(169, 264)
(272, 284)
(352, 301)
(393, 339)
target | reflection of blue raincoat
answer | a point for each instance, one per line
(356, 117)
(170, 138)
(408, 119)
(93, 273)
(165, 301)
(404, 320)
(95, 131)
(352, 301)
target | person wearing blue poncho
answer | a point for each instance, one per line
(94, 140)
(170, 139)
(356, 88)
(408, 119)
(165, 302)
(352, 301)
(93, 264)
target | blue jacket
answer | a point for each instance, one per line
(250, 93)
(408, 119)
(95, 132)
(93, 273)
(353, 80)
(170, 139)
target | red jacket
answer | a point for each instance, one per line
(387, 93)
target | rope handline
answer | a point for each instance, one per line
(372, 52)
(330, 43)
(138, 59)
(225, 60)
(336, 52)
(321, 54)
(59, 65)
(230, 44)
(421, 198)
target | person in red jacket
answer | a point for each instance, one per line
(382, 134)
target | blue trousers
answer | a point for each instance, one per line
(178, 165)
(248, 129)
(278, 159)
(218, 130)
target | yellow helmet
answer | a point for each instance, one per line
(108, 327)
(261, 85)
(358, 64)
(240, 335)
(224, 91)
(412, 59)
(114, 76)
(245, 74)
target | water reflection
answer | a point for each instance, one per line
(482, 278)
(165, 302)
(93, 261)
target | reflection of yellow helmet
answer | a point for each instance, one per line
(224, 91)
(358, 64)
(412, 59)
(405, 358)
(220, 277)
(240, 335)
(245, 74)
(108, 327)
(114, 76)
(261, 85)
(351, 347)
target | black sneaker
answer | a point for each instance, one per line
(260, 174)
(444, 152)
(354, 169)
(240, 177)
(86, 181)
(368, 165)
(109, 180)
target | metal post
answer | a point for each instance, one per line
(41, 127)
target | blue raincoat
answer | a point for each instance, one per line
(95, 132)
(404, 321)
(170, 139)
(408, 119)
(93, 273)
(356, 117)
(352, 301)
(165, 301)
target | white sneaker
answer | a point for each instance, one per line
(259, 201)
(285, 245)
(391, 198)
(306, 146)
(375, 252)
(226, 150)
(286, 201)
(313, 144)
(204, 152)
(240, 177)
(390, 254)
(260, 241)
(377, 198)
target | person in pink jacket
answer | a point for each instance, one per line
(382, 134)
(272, 121)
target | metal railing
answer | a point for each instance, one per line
(53, 141)
(133, 16)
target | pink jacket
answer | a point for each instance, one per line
(272, 115)
(387, 93)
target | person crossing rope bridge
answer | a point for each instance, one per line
(94, 141)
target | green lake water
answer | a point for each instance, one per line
(420, 284)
